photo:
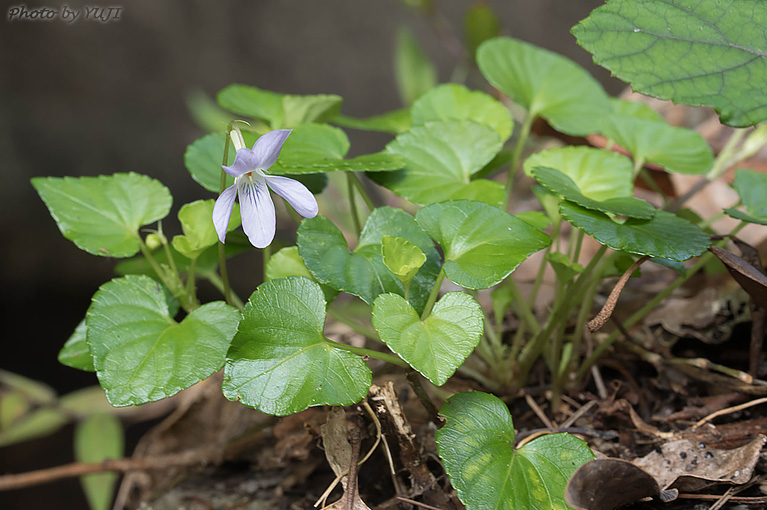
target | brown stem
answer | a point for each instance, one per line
(604, 314)
(20, 480)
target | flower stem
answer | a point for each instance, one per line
(523, 134)
(353, 204)
(191, 289)
(354, 326)
(362, 191)
(434, 294)
(361, 351)
(174, 285)
(221, 252)
(216, 281)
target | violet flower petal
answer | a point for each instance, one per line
(295, 194)
(267, 148)
(222, 210)
(244, 161)
(257, 211)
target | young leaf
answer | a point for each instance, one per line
(565, 269)
(362, 271)
(402, 257)
(455, 102)
(480, 23)
(560, 184)
(140, 353)
(665, 235)
(287, 262)
(280, 362)
(76, 353)
(482, 244)
(752, 190)
(698, 53)
(102, 215)
(674, 148)
(196, 220)
(546, 84)
(394, 122)
(203, 159)
(599, 174)
(98, 438)
(477, 449)
(279, 110)
(441, 158)
(414, 72)
(437, 346)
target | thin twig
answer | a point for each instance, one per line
(417, 503)
(580, 412)
(729, 410)
(539, 412)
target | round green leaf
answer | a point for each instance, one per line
(437, 346)
(477, 449)
(402, 257)
(76, 353)
(196, 220)
(456, 102)
(250, 101)
(102, 215)
(676, 149)
(280, 362)
(482, 244)
(560, 184)
(546, 84)
(287, 262)
(440, 159)
(140, 353)
(665, 235)
(362, 272)
(599, 174)
(705, 52)
(97, 438)
(752, 190)
(203, 161)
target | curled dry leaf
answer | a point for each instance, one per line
(689, 465)
(752, 279)
(606, 484)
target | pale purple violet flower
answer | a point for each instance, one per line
(250, 184)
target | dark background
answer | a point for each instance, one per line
(90, 98)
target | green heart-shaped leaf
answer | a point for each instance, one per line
(600, 175)
(546, 84)
(752, 190)
(102, 215)
(674, 148)
(362, 271)
(140, 353)
(665, 235)
(437, 346)
(196, 220)
(455, 102)
(477, 449)
(482, 244)
(703, 52)
(560, 184)
(76, 353)
(440, 159)
(280, 362)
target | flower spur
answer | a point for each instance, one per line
(252, 184)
